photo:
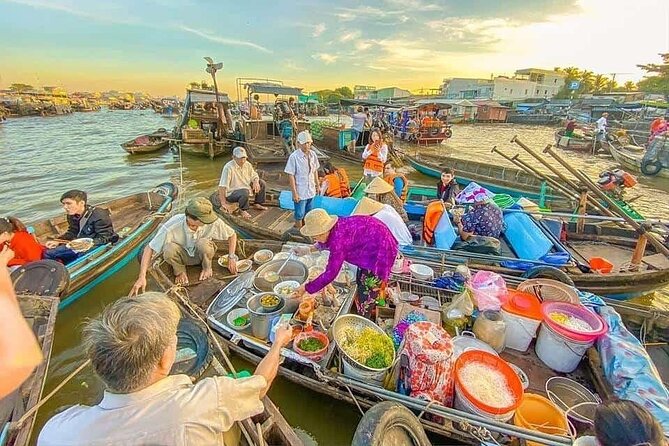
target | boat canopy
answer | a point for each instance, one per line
(369, 103)
(268, 88)
(202, 96)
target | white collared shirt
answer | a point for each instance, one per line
(171, 412)
(389, 217)
(176, 230)
(234, 177)
(305, 178)
(601, 124)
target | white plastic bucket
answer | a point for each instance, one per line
(520, 331)
(462, 403)
(558, 352)
(355, 372)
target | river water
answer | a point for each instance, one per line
(43, 157)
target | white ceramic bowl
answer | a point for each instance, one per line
(263, 256)
(422, 272)
(234, 314)
(244, 265)
(293, 284)
(281, 255)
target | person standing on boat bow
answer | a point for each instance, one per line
(83, 221)
(238, 181)
(132, 346)
(602, 125)
(362, 241)
(188, 239)
(375, 156)
(302, 169)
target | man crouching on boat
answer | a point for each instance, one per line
(132, 346)
(188, 239)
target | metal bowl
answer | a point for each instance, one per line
(294, 270)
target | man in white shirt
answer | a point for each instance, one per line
(238, 181)
(302, 169)
(132, 346)
(188, 239)
(388, 216)
(359, 118)
(602, 123)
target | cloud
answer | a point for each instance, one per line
(223, 40)
(466, 33)
(365, 13)
(319, 29)
(106, 16)
(325, 57)
(293, 66)
(350, 35)
(362, 45)
(415, 5)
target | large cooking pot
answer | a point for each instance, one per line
(294, 270)
(261, 319)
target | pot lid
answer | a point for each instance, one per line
(523, 304)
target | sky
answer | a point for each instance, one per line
(157, 46)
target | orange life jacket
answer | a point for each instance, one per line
(338, 186)
(433, 213)
(373, 162)
(390, 179)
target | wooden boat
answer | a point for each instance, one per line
(631, 157)
(151, 142)
(40, 313)
(577, 143)
(497, 178)
(431, 130)
(197, 131)
(135, 217)
(260, 134)
(325, 376)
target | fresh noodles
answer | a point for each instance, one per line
(486, 384)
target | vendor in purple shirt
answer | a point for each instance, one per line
(362, 241)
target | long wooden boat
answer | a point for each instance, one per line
(40, 313)
(577, 143)
(151, 142)
(325, 376)
(135, 217)
(631, 157)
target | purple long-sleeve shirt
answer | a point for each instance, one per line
(362, 241)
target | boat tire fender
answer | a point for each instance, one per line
(548, 272)
(43, 278)
(651, 167)
(385, 422)
(448, 132)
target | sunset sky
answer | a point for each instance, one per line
(157, 45)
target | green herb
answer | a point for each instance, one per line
(311, 345)
(240, 321)
(377, 361)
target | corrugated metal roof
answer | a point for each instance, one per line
(200, 96)
(273, 89)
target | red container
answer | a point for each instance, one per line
(601, 265)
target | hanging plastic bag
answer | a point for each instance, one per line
(491, 329)
(489, 290)
(463, 302)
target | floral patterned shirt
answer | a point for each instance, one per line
(362, 241)
(485, 220)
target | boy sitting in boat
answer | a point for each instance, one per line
(132, 346)
(84, 221)
(186, 240)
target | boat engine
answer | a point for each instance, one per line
(614, 182)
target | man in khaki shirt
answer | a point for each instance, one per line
(238, 181)
(132, 346)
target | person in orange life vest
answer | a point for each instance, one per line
(433, 214)
(335, 182)
(375, 156)
(26, 248)
(383, 192)
(397, 180)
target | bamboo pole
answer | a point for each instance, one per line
(561, 176)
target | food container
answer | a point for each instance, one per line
(421, 272)
(243, 266)
(266, 277)
(263, 256)
(260, 317)
(314, 272)
(315, 355)
(490, 328)
(540, 414)
(467, 342)
(345, 277)
(574, 399)
(80, 244)
(285, 289)
(237, 313)
(522, 314)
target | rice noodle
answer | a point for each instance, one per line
(486, 384)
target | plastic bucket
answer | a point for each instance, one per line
(464, 400)
(559, 352)
(353, 371)
(540, 414)
(601, 265)
(597, 324)
(520, 331)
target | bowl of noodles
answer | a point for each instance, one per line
(80, 244)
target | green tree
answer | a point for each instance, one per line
(194, 85)
(344, 92)
(20, 88)
(599, 83)
(587, 81)
(657, 77)
(629, 86)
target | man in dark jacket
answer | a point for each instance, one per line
(83, 221)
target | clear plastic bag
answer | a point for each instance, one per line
(489, 290)
(491, 329)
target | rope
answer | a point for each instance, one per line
(355, 400)
(420, 415)
(41, 402)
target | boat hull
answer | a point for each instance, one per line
(632, 161)
(148, 148)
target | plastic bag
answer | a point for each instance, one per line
(489, 290)
(491, 329)
(463, 302)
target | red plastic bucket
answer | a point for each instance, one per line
(598, 325)
(601, 265)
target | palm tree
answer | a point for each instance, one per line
(572, 73)
(587, 81)
(629, 86)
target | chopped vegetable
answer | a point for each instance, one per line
(241, 320)
(311, 345)
(368, 345)
(570, 321)
(269, 300)
(487, 385)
